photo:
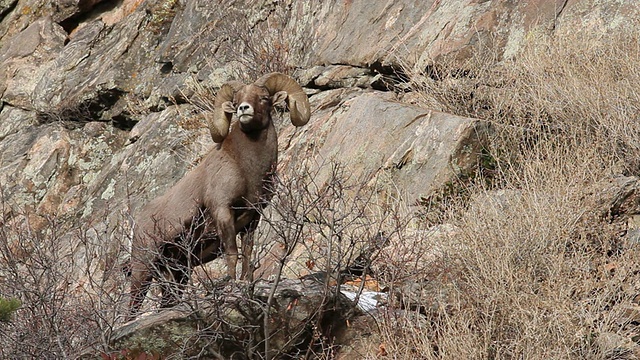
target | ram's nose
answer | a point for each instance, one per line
(245, 112)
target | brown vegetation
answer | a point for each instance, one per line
(541, 269)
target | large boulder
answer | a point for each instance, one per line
(416, 149)
(231, 325)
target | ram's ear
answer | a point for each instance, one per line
(228, 107)
(279, 97)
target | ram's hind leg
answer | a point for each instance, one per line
(173, 286)
(140, 281)
(174, 268)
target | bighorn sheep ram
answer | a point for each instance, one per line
(201, 215)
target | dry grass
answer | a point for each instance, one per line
(542, 272)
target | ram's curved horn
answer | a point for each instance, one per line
(299, 107)
(220, 121)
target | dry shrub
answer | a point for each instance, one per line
(68, 304)
(341, 214)
(542, 272)
(561, 94)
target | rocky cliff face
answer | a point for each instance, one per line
(99, 99)
(92, 92)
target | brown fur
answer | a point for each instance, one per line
(200, 216)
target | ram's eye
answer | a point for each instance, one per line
(264, 99)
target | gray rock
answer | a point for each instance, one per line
(372, 135)
(26, 59)
(6, 6)
(13, 120)
(68, 9)
(228, 323)
(342, 76)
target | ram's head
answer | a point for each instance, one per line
(253, 104)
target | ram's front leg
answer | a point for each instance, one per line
(226, 231)
(247, 235)
(140, 281)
